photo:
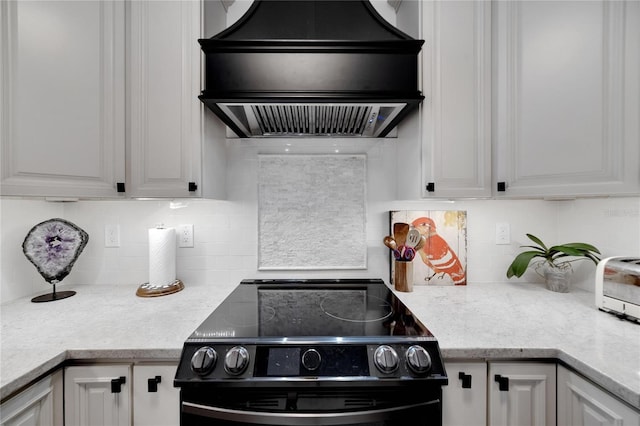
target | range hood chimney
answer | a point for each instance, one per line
(311, 69)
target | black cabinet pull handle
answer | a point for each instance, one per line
(152, 383)
(503, 382)
(431, 187)
(193, 187)
(466, 380)
(120, 187)
(502, 186)
(116, 384)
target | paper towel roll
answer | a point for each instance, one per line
(162, 256)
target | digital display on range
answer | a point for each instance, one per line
(332, 360)
(283, 362)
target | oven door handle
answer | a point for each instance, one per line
(296, 418)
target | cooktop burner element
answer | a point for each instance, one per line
(355, 306)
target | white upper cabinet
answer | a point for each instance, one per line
(456, 113)
(539, 97)
(100, 100)
(62, 106)
(163, 88)
(566, 97)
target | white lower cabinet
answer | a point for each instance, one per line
(38, 405)
(155, 401)
(97, 395)
(464, 400)
(522, 394)
(581, 403)
(119, 394)
(499, 393)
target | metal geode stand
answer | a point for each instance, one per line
(53, 246)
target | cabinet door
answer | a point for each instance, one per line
(464, 400)
(92, 395)
(164, 84)
(456, 115)
(62, 98)
(522, 394)
(566, 97)
(581, 403)
(39, 405)
(155, 401)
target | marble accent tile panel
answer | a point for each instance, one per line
(311, 212)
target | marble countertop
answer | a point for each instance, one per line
(476, 322)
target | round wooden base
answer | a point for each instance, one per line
(147, 290)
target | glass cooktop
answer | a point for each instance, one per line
(349, 308)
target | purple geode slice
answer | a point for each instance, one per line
(53, 247)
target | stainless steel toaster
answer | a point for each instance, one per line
(618, 286)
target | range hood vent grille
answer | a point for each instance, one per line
(311, 68)
(295, 120)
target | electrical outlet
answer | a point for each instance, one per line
(503, 233)
(185, 236)
(112, 235)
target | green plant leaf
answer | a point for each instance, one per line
(570, 251)
(521, 263)
(537, 241)
(557, 255)
(583, 246)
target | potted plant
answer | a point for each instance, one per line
(555, 261)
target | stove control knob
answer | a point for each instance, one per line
(386, 359)
(203, 360)
(236, 360)
(418, 359)
(311, 359)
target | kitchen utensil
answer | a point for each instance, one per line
(421, 243)
(397, 255)
(390, 242)
(413, 238)
(403, 276)
(400, 231)
(408, 254)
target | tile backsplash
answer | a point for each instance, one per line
(226, 234)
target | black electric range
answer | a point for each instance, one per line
(310, 352)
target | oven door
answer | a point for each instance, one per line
(358, 408)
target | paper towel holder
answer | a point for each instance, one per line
(148, 290)
(153, 290)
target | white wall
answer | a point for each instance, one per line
(226, 231)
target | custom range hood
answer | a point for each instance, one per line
(311, 69)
